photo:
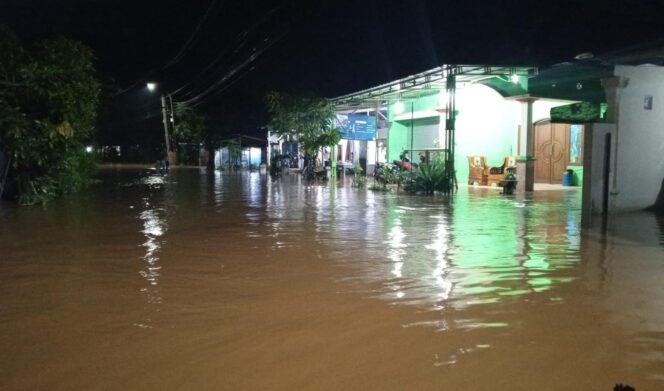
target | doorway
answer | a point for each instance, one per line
(552, 146)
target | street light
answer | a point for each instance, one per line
(152, 87)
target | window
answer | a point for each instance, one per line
(576, 144)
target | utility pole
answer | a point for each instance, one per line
(165, 117)
(170, 101)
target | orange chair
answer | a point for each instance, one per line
(478, 171)
(497, 174)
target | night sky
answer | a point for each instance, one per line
(222, 56)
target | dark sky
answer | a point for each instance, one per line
(239, 49)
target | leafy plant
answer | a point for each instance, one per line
(385, 174)
(327, 138)
(48, 108)
(309, 120)
(428, 178)
(359, 179)
(192, 126)
(306, 118)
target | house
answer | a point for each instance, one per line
(600, 117)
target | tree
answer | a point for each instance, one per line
(190, 125)
(189, 129)
(48, 108)
(193, 127)
(310, 120)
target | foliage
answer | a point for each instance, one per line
(192, 126)
(189, 125)
(428, 178)
(48, 108)
(327, 138)
(359, 179)
(308, 119)
(190, 133)
(385, 174)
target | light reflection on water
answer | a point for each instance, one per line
(153, 216)
(212, 255)
(477, 249)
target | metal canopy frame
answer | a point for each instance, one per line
(446, 77)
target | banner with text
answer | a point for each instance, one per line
(356, 126)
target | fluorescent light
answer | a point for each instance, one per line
(399, 107)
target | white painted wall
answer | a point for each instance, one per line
(542, 108)
(639, 167)
(486, 125)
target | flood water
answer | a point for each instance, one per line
(238, 282)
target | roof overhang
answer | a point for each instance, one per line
(575, 81)
(430, 82)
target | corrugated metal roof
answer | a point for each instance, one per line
(430, 82)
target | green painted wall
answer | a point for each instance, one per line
(486, 125)
(399, 133)
(493, 145)
(397, 140)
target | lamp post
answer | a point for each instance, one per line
(151, 87)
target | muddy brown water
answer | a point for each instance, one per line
(237, 282)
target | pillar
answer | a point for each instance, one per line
(525, 166)
(613, 86)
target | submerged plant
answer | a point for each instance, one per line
(385, 175)
(428, 178)
(359, 180)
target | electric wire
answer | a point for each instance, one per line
(204, 75)
(187, 45)
(232, 72)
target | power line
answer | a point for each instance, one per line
(185, 47)
(192, 37)
(232, 72)
(241, 40)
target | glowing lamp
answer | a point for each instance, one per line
(399, 107)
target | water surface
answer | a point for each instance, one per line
(235, 281)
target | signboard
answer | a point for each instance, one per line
(356, 126)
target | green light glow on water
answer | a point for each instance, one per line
(477, 248)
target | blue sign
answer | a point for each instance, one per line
(356, 126)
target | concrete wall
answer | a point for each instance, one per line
(639, 167)
(593, 161)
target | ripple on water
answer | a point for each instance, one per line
(225, 270)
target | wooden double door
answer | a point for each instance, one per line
(551, 151)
